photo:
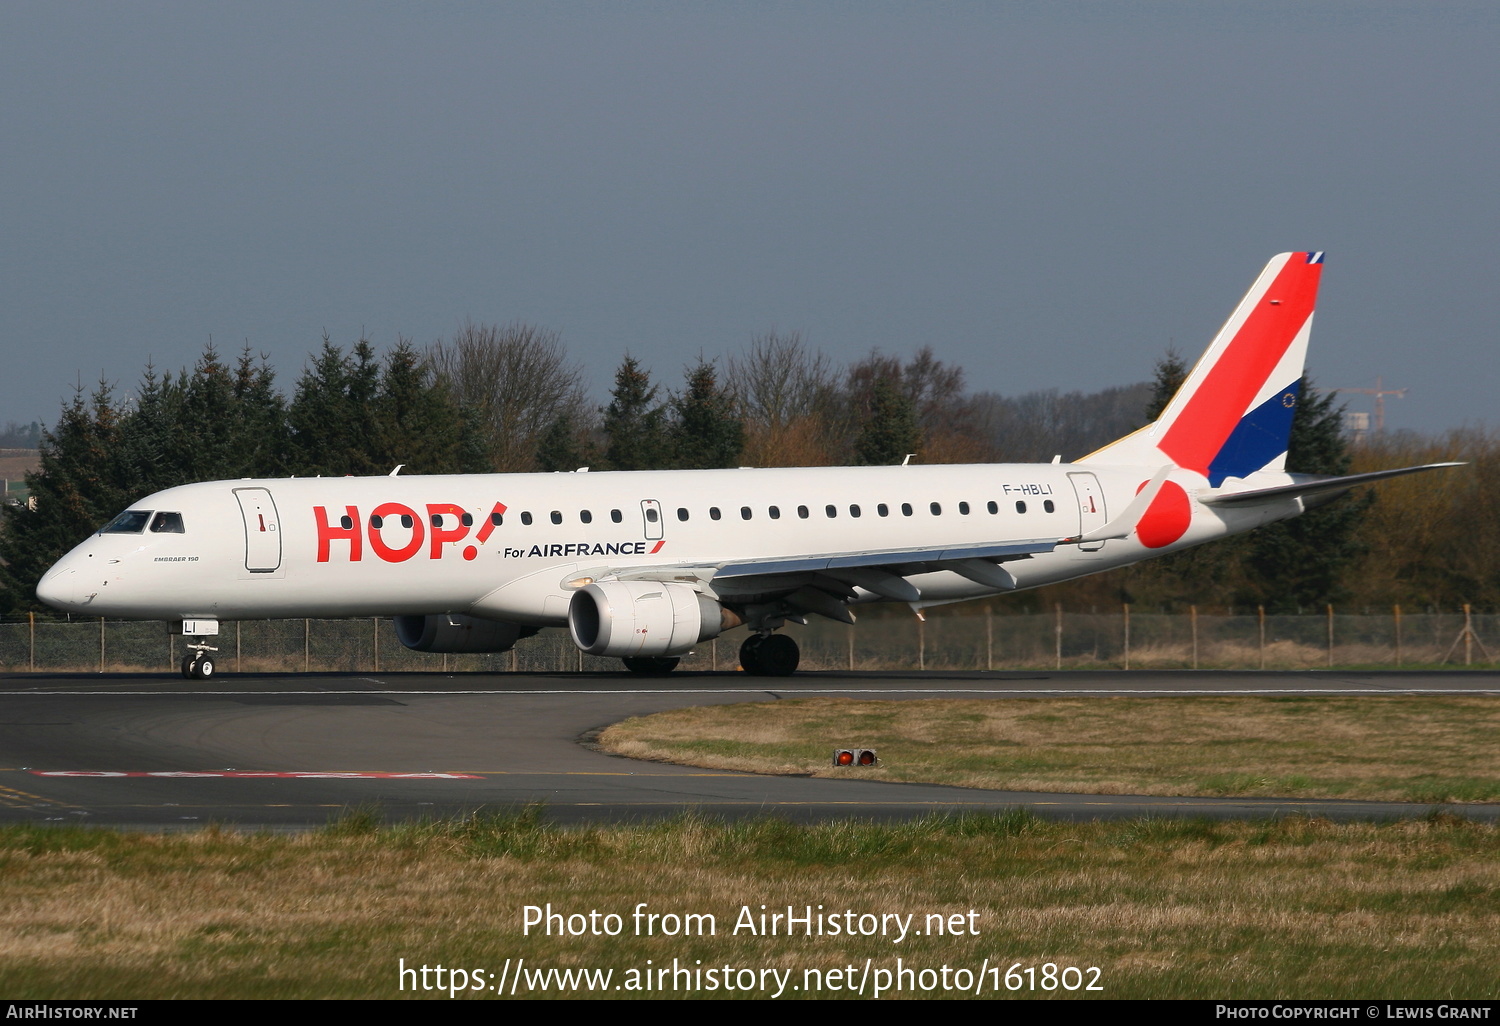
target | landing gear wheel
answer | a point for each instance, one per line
(203, 668)
(775, 655)
(651, 666)
(187, 667)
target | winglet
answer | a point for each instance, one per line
(1122, 525)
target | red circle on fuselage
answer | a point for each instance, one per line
(1167, 518)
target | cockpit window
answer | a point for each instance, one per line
(167, 523)
(132, 521)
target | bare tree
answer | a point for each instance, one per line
(516, 382)
(788, 396)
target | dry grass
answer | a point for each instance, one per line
(1428, 749)
(1164, 908)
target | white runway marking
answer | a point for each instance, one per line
(783, 693)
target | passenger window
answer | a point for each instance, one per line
(133, 521)
(963, 509)
(346, 522)
(585, 517)
(1020, 507)
(437, 520)
(992, 506)
(1049, 507)
(744, 512)
(497, 519)
(937, 509)
(713, 513)
(406, 520)
(883, 510)
(682, 514)
(614, 515)
(802, 512)
(853, 510)
(556, 517)
(375, 522)
(526, 518)
(651, 515)
(774, 512)
(906, 509)
(832, 511)
(167, 523)
(466, 520)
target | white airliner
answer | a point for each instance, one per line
(646, 565)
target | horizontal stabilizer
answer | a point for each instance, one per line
(1310, 486)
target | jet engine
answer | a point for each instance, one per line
(453, 633)
(644, 618)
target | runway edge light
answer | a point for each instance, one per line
(854, 757)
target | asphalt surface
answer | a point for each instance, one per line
(289, 751)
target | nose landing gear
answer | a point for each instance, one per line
(770, 655)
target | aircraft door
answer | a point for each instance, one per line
(651, 515)
(262, 530)
(1091, 511)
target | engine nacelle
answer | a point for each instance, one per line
(643, 618)
(453, 633)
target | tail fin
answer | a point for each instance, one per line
(1233, 414)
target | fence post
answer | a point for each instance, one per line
(1397, 614)
(1193, 621)
(1330, 635)
(989, 638)
(921, 643)
(1125, 613)
(849, 640)
(236, 646)
(513, 662)
(713, 654)
(1057, 629)
(1468, 639)
(31, 641)
(1260, 615)
(375, 635)
(306, 644)
(101, 643)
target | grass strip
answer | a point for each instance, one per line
(1169, 908)
(1398, 748)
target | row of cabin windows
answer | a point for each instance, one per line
(714, 513)
(855, 510)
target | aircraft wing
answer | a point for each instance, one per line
(823, 582)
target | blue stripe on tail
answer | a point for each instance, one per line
(1259, 437)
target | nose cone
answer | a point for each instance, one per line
(59, 588)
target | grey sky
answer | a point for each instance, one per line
(1044, 193)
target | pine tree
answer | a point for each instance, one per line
(707, 433)
(78, 487)
(417, 422)
(561, 448)
(635, 423)
(890, 430)
(1171, 372)
(1299, 563)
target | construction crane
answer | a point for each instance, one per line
(1379, 392)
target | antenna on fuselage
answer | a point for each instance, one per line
(908, 458)
(397, 470)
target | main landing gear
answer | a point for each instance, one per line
(770, 655)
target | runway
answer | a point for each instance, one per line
(290, 751)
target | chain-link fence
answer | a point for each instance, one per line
(944, 641)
